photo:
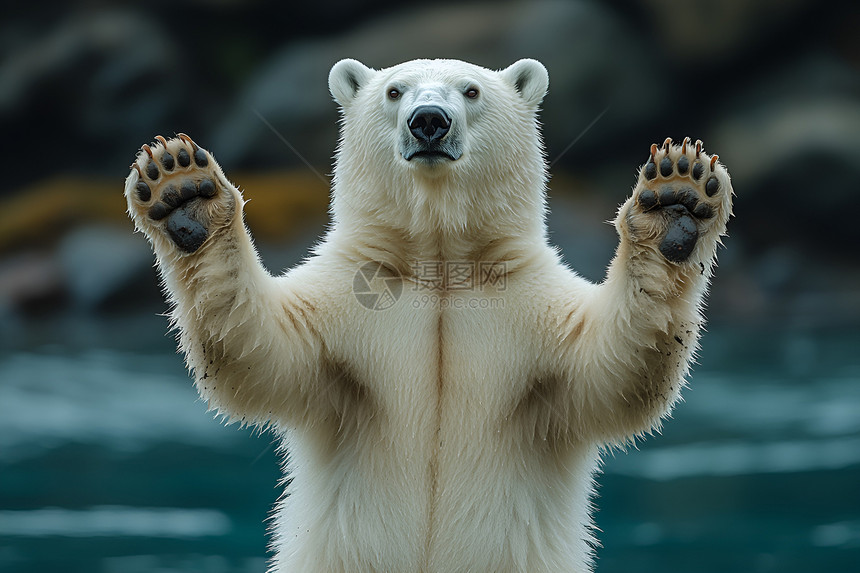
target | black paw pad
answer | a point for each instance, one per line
(207, 188)
(200, 158)
(703, 211)
(647, 200)
(666, 196)
(152, 170)
(158, 211)
(143, 191)
(650, 171)
(171, 197)
(183, 158)
(698, 170)
(683, 165)
(681, 234)
(187, 233)
(687, 197)
(666, 167)
(188, 190)
(712, 186)
(167, 161)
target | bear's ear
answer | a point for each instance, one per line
(530, 78)
(346, 78)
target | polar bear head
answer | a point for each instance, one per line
(438, 143)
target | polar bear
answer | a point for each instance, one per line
(444, 385)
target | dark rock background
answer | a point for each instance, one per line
(772, 87)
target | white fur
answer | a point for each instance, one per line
(438, 437)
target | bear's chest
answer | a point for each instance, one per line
(455, 358)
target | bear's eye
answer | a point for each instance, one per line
(393, 93)
(471, 93)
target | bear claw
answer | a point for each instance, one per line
(187, 140)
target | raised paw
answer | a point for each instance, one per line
(683, 196)
(176, 187)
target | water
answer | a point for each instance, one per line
(110, 463)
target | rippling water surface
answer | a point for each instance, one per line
(110, 463)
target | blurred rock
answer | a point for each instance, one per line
(30, 282)
(790, 141)
(99, 262)
(94, 79)
(595, 62)
(714, 32)
(39, 215)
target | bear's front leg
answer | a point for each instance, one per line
(633, 336)
(669, 231)
(249, 337)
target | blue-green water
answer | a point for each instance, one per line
(109, 463)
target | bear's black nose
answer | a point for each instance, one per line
(429, 123)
